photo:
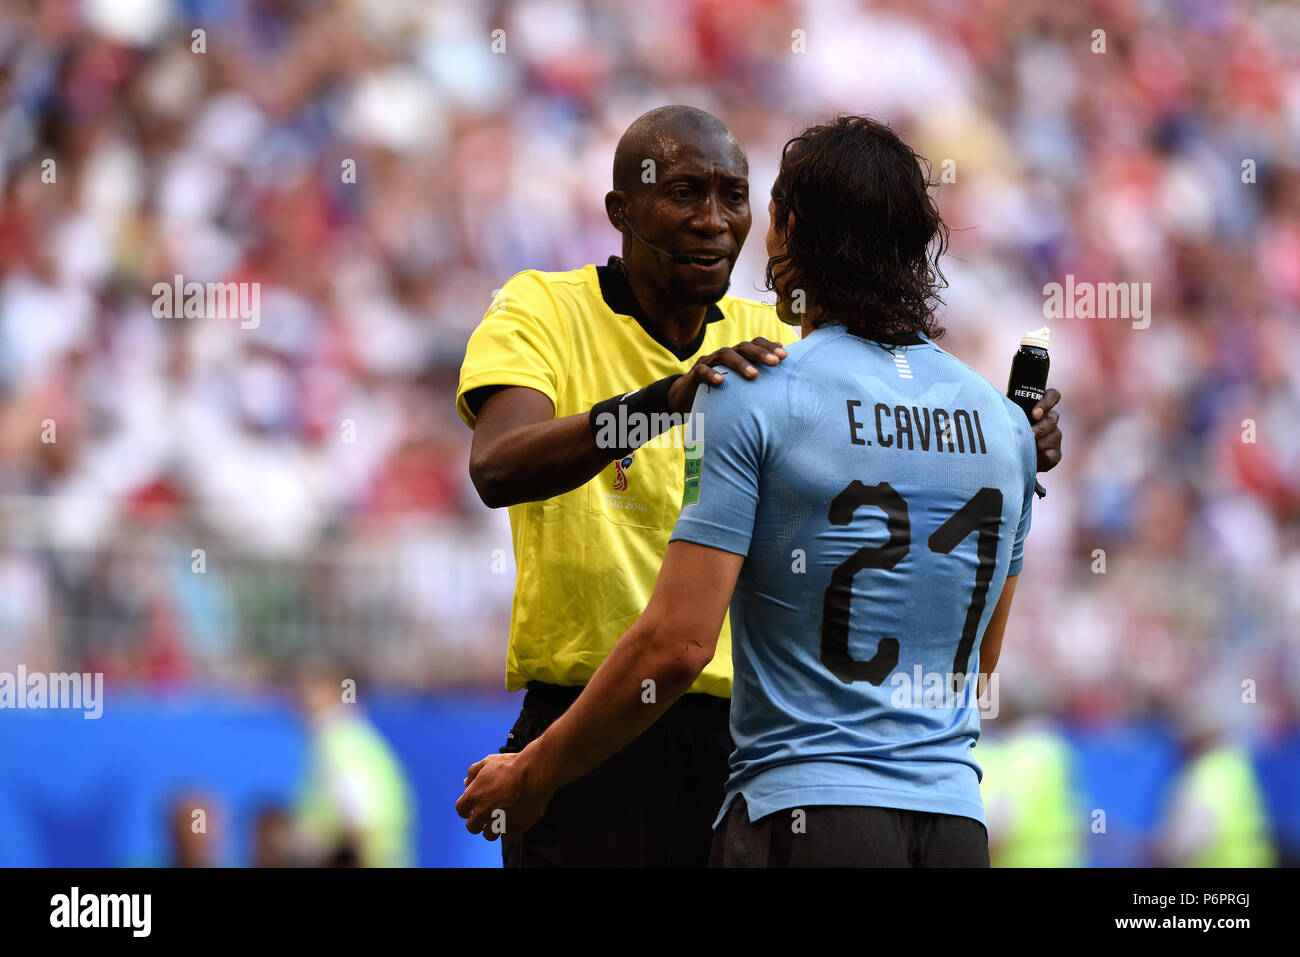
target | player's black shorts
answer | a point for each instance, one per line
(651, 805)
(840, 836)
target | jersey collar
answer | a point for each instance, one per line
(618, 295)
(921, 337)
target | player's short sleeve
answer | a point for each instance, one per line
(1029, 460)
(723, 468)
(518, 343)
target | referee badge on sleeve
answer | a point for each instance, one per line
(694, 459)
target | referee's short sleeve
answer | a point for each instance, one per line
(723, 470)
(518, 343)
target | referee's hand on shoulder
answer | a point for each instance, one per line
(744, 358)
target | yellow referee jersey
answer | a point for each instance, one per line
(588, 559)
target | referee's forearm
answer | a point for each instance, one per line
(614, 709)
(519, 456)
(536, 462)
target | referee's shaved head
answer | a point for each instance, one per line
(661, 134)
(681, 201)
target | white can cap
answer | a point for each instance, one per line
(1037, 338)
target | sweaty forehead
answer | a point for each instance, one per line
(696, 151)
(684, 144)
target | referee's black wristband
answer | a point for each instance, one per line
(645, 411)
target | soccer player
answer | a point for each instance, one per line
(591, 519)
(863, 509)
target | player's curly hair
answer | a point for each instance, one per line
(867, 236)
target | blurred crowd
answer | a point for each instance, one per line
(381, 168)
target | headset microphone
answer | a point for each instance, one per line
(680, 259)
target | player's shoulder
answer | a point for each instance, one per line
(982, 388)
(960, 369)
(976, 382)
(822, 352)
(771, 387)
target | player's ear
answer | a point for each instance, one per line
(615, 204)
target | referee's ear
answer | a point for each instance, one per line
(615, 203)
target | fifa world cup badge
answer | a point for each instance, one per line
(694, 460)
(620, 472)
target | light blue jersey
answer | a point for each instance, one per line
(881, 499)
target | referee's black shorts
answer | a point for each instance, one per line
(841, 836)
(651, 805)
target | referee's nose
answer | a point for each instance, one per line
(709, 218)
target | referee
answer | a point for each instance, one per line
(558, 358)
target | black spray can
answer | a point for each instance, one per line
(1028, 379)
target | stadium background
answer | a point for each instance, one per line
(374, 557)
